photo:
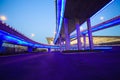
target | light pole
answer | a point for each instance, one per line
(3, 18)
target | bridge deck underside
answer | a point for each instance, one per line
(81, 9)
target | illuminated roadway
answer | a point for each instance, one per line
(61, 66)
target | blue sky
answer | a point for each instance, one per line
(30, 16)
(38, 17)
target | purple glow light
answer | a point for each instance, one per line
(60, 15)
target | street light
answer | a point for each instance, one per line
(101, 18)
(3, 18)
(32, 35)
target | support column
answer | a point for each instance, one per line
(30, 49)
(1, 42)
(79, 44)
(57, 44)
(60, 43)
(67, 36)
(49, 50)
(90, 34)
(63, 45)
(84, 41)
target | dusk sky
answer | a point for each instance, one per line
(36, 18)
(30, 17)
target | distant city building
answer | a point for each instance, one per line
(50, 40)
(98, 40)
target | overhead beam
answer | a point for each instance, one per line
(107, 24)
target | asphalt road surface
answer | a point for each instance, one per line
(61, 66)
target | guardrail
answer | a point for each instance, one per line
(10, 35)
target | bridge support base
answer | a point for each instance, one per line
(67, 36)
(90, 34)
(60, 43)
(30, 49)
(49, 50)
(79, 44)
(1, 42)
(84, 41)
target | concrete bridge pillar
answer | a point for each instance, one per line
(49, 50)
(60, 43)
(84, 41)
(63, 45)
(79, 44)
(1, 42)
(90, 34)
(30, 49)
(67, 36)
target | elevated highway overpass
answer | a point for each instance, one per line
(10, 35)
(70, 14)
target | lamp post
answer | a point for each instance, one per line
(3, 18)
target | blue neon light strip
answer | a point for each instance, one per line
(100, 27)
(10, 38)
(103, 26)
(61, 9)
(15, 40)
